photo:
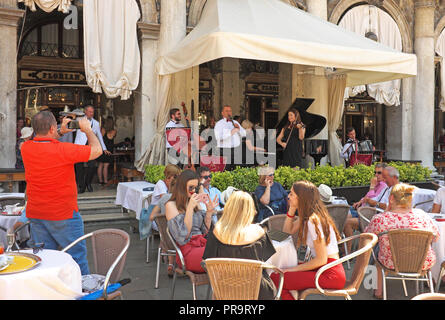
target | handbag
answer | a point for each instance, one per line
(357, 158)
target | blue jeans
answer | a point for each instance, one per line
(57, 235)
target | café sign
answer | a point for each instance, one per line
(262, 88)
(52, 76)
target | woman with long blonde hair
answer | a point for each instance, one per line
(235, 236)
(316, 229)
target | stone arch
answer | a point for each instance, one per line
(197, 6)
(390, 7)
(439, 28)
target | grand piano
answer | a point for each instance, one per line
(316, 148)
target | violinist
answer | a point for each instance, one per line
(228, 133)
(291, 139)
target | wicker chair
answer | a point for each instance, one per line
(365, 215)
(429, 296)
(409, 248)
(166, 247)
(352, 285)
(197, 279)
(109, 248)
(339, 213)
(238, 279)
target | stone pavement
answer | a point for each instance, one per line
(143, 274)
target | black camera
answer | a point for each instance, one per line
(197, 188)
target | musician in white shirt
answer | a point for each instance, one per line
(349, 146)
(228, 133)
(83, 178)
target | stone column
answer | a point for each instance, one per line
(423, 108)
(145, 108)
(319, 88)
(230, 86)
(9, 19)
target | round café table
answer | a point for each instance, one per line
(57, 277)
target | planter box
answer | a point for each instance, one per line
(352, 194)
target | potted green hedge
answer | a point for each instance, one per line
(343, 181)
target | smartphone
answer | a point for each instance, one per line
(73, 124)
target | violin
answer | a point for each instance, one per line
(295, 123)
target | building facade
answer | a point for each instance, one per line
(47, 68)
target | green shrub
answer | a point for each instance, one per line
(247, 178)
(154, 173)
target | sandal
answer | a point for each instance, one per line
(170, 270)
(378, 297)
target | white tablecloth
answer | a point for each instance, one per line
(285, 256)
(130, 195)
(422, 195)
(8, 222)
(438, 246)
(57, 277)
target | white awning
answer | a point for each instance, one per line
(274, 31)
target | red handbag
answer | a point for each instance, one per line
(357, 158)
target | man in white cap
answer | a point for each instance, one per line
(25, 134)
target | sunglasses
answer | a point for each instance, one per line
(271, 175)
(377, 172)
(192, 188)
(207, 177)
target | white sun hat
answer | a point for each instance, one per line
(325, 193)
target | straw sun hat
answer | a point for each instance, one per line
(325, 193)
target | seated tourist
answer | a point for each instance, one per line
(205, 177)
(234, 236)
(270, 193)
(187, 222)
(376, 187)
(316, 229)
(162, 187)
(439, 202)
(399, 215)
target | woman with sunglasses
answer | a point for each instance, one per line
(316, 229)
(186, 221)
(376, 187)
(270, 193)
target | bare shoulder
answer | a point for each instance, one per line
(170, 210)
(253, 233)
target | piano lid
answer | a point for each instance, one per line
(314, 122)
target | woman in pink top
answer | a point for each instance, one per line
(376, 187)
(399, 215)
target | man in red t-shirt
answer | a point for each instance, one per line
(51, 184)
